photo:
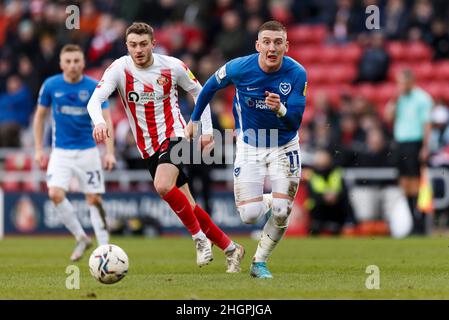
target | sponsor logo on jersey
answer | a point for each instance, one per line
(285, 88)
(258, 104)
(133, 96)
(145, 97)
(59, 94)
(73, 110)
(83, 95)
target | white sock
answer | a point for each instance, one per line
(272, 233)
(268, 200)
(67, 215)
(199, 235)
(99, 225)
(230, 248)
(268, 241)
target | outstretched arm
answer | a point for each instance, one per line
(102, 92)
(206, 95)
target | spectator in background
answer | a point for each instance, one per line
(375, 60)
(328, 201)
(421, 19)
(231, 39)
(29, 75)
(346, 21)
(439, 157)
(379, 197)
(47, 57)
(16, 107)
(440, 40)
(439, 137)
(395, 21)
(410, 113)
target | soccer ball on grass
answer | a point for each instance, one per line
(108, 264)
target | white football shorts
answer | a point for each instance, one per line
(281, 164)
(85, 165)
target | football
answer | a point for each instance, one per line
(108, 264)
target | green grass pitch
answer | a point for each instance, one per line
(164, 268)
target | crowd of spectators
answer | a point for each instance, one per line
(205, 34)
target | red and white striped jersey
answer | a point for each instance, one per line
(150, 98)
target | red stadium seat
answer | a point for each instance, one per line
(442, 70)
(18, 162)
(424, 71)
(435, 89)
(396, 50)
(417, 51)
(319, 33)
(10, 184)
(366, 90)
(385, 92)
(330, 54)
(305, 55)
(316, 74)
(301, 34)
(30, 185)
(350, 53)
(396, 67)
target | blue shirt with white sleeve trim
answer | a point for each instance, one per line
(71, 125)
(253, 118)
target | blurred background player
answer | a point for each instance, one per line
(74, 151)
(268, 108)
(147, 84)
(411, 114)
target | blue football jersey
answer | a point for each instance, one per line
(253, 118)
(71, 125)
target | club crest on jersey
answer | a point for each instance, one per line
(285, 88)
(83, 95)
(162, 80)
(237, 171)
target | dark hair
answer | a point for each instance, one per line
(272, 25)
(407, 74)
(140, 28)
(71, 48)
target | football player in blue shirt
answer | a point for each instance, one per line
(268, 106)
(74, 152)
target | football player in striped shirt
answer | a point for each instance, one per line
(148, 86)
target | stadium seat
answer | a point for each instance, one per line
(30, 185)
(424, 71)
(306, 54)
(385, 92)
(396, 50)
(302, 34)
(417, 51)
(330, 54)
(10, 184)
(341, 73)
(366, 90)
(442, 70)
(350, 53)
(18, 162)
(434, 88)
(396, 67)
